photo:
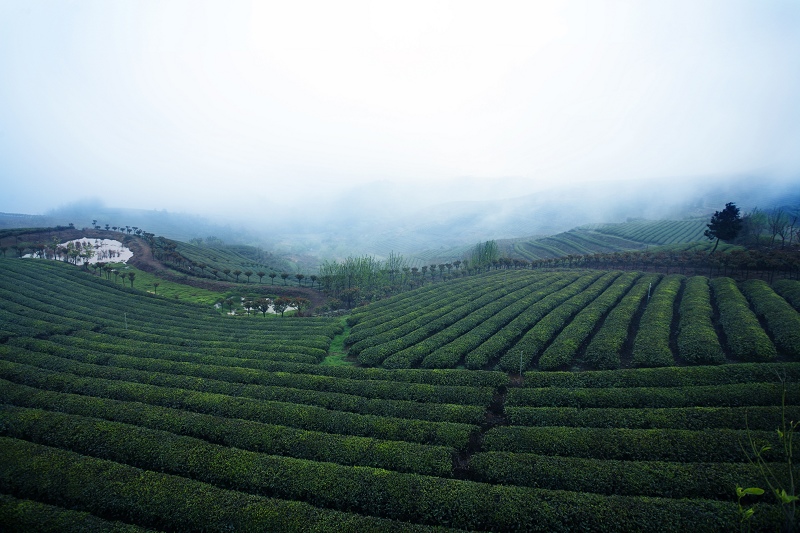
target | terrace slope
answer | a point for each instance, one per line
(128, 411)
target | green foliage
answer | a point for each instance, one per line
(781, 319)
(688, 446)
(665, 376)
(779, 477)
(790, 290)
(611, 476)
(750, 393)
(697, 340)
(159, 500)
(746, 339)
(605, 348)
(762, 417)
(511, 340)
(533, 343)
(24, 516)
(243, 434)
(566, 345)
(651, 346)
(483, 255)
(171, 502)
(725, 225)
(656, 231)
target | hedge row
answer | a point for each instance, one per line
(426, 325)
(717, 481)
(174, 339)
(381, 316)
(286, 414)
(566, 345)
(487, 308)
(88, 345)
(756, 417)
(533, 343)
(376, 312)
(244, 434)
(161, 501)
(651, 345)
(171, 503)
(680, 445)
(739, 394)
(441, 377)
(667, 376)
(745, 338)
(449, 355)
(163, 451)
(503, 340)
(258, 383)
(409, 322)
(605, 348)
(104, 343)
(790, 290)
(20, 305)
(25, 516)
(19, 325)
(697, 340)
(782, 320)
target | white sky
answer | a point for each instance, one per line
(230, 105)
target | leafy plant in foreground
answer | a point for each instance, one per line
(782, 487)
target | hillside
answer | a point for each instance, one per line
(128, 410)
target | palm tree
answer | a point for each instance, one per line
(284, 275)
(124, 275)
(131, 276)
(155, 287)
(272, 277)
(248, 273)
(237, 273)
(260, 275)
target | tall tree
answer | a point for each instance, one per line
(260, 276)
(131, 277)
(724, 226)
(284, 275)
(247, 274)
(237, 273)
(280, 304)
(272, 278)
(263, 305)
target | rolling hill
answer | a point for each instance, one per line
(129, 411)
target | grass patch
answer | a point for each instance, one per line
(144, 281)
(336, 353)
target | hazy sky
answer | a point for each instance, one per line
(246, 105)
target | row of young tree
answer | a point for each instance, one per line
(265, 305)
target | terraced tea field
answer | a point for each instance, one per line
(517, 320)
(124, 411)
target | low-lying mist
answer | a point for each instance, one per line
(383, 217)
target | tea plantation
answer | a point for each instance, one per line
(639, 395)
